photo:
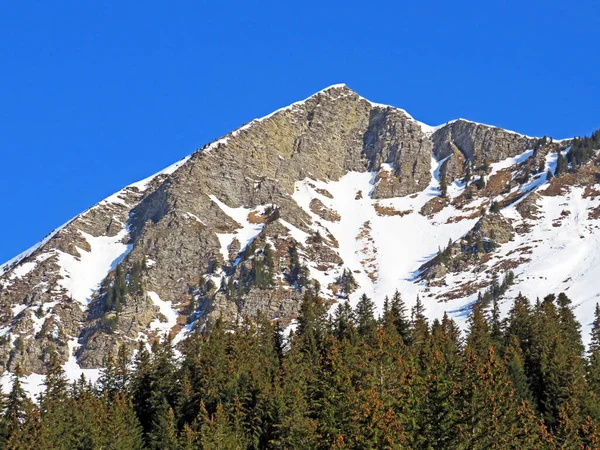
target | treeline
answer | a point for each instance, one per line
(582, 150)
(347, 381)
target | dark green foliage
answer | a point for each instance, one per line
(349, 381)
(494, 207)
(297, 275)
(398, 317)
(496, 290)
(364, 315)
(347, 284)
(135, 285)
(594, 354)
(480, 183)
(261, 274)
(583, 149)
(443, 186)
(116, 291)
(443, 256)
(562, 165)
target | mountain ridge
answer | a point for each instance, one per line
(426, 128)
(326, 184)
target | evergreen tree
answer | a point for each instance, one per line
(517, 374)
(419, 330)
(569, 326)
(562, 165)
(594, 354)
(343, 322)
(313, 326)
(398, 315)
(123, 430)
(364, 315)
(216, 432)
(495, 207)
(18, 406)
(443, 186)
(164, 431)
(55, 407)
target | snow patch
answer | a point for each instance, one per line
(245, 234)
(81, 277)
(167, 311)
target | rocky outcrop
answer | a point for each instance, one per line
(395, 139)
(479, 143)
(454, 167)
(489, 232)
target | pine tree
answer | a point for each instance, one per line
(343, 322)
(398, 315)
(123, 430)
(495, 207)
(18, 406)
(443, 186)
(217, 433)
(438, 383)
(419, 330)
(122, 372)
(141, 387)
(517, 374)
(594, 354)
(164, 430)
(569, 326)
(313, 326)
(189, 438)
(31, 435)
(55, 407)
(364, 315)
(558, 375)
(479, 339)
(108, 378)
(562, 165)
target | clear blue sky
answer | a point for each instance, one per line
(96, 95)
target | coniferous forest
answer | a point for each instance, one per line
(349, 381)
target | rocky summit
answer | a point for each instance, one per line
(333, 194)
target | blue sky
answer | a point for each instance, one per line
(96, 95)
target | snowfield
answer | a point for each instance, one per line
(386, 254)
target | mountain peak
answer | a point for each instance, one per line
(329, 186)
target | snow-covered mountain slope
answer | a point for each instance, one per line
(336, 184)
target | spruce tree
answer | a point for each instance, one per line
(364, 315)
(569, 326)
(18, 405)
(398, 314)
(594, 354)
(443, 186)
(343, 322)
(55, 406)
(419, 330)
(123, 430)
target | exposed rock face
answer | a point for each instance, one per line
(493, 227)
(199, 228)
(322, 211)
(489, 231)
(394, 139)
(454, 167)
(479, 142)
